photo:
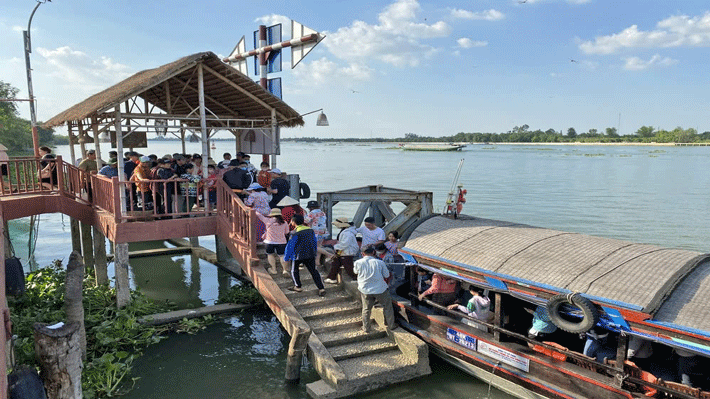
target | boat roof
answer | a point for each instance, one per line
(672, 285)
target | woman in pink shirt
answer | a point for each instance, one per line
(275, 239)
(442, 290)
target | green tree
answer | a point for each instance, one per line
(571, 133)
(611, 132)
(592, 132)
(646, 131)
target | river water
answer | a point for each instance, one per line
(655, 195)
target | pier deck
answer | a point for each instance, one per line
(327, 328)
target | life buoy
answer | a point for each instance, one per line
(590, 315)
(14, 277)
(305, 190)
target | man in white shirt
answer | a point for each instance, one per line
(371, 274)
(371, 234)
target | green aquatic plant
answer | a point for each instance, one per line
(243, 293)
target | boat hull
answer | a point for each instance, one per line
(516, 370)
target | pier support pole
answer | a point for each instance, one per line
(221, 249)
(194, 242)
(75, 235)
(87, 246)
(295, 356)
(120, 261)
(101, 269)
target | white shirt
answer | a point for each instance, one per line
(369, 237)
(347, 242)
(371, 274)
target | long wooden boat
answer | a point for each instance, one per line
(432, 147)
(636, 291)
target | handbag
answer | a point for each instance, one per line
(45, 174)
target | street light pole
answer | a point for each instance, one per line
(28, 50)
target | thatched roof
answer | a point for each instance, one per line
(227, 92)
(671, 284)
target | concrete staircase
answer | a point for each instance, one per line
(348, 360)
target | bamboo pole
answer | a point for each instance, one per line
(100, 262)
(120, 262)
(73, 304)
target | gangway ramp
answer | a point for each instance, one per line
(349, 360)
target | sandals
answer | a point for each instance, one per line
(296, 289)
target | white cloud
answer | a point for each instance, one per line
(396, 39)
(274, 19)
(637, 64)
(488, 15)
(676, 31)
(74, 67)
(465, 42)
(323, 71)
(356, 71)
(577, 2)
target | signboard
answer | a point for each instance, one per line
(504, 356)
(460, 338)
(274, 87)
(132, 140)
(257, 141)
(273, 57)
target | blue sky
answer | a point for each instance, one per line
(423, 67)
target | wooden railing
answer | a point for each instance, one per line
(238, 216)
(72, 181)
(22, 176)
(147, 199)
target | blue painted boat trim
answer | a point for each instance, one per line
(680, 328)
(497, 283)
(617, 318)
(524, 281)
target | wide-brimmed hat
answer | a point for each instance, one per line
(342, 223)
(312, 204)
(145, 158)
(254, 186)
(275, 212)
(276, 171)
(287, 201)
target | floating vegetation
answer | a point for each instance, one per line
(488, 147)
(656, 151)
(594, 155)
(624, 156)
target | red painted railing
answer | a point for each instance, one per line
(239, 217)
(22, 176)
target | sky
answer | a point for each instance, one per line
(387, 68)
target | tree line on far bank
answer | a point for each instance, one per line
(523, 134)
(16, 132)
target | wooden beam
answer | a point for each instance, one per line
(244, 91)
(385, 210)
(360, 213)
(199, 93)
(408, 213)
(359, 197)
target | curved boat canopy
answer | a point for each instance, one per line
(672, 285)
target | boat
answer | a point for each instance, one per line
(634, 293)
(432, 147)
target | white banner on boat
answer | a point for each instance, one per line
(504, 356)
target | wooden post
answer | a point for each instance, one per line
(58, 353)
(120, 262)
(4, 311)
(621, 348)
(101, 264)
(121, 169)
(295, 355)
(87, 246)
(221, 250)
(194, 241)
(75, 235)
(97, 145)
(73, 304)
(205, 133)
(498, 319)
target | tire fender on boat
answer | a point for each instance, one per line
(590, 314)
(305, 191)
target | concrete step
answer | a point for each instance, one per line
(381, 366)
(351, 325)
(324, 309)
(361, 349)
(309, 290)
(304, 302)
(335, 323)
(335, 312)
(349, 336)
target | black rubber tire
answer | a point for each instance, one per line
(589, 311)
(305, 191)
(14, 277)
(24, 383)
